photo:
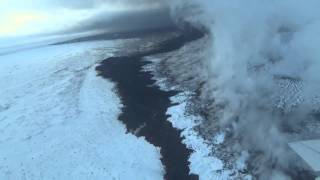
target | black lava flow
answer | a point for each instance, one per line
(145, 105)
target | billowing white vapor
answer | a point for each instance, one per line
(264, 79)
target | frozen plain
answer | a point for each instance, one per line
(58, 120)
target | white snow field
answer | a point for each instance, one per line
(202, 162)
(58, 120)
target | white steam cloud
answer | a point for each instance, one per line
(264, 73)
(264, 63)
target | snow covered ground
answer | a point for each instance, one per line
(58, 120)
(217, 152)
(205, 160)
(202, 162)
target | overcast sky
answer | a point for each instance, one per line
(24, 17)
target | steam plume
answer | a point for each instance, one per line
(264, 62)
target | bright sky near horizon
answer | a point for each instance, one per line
(19, 18)
(32, 16)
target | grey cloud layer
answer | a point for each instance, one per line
(85, 4)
